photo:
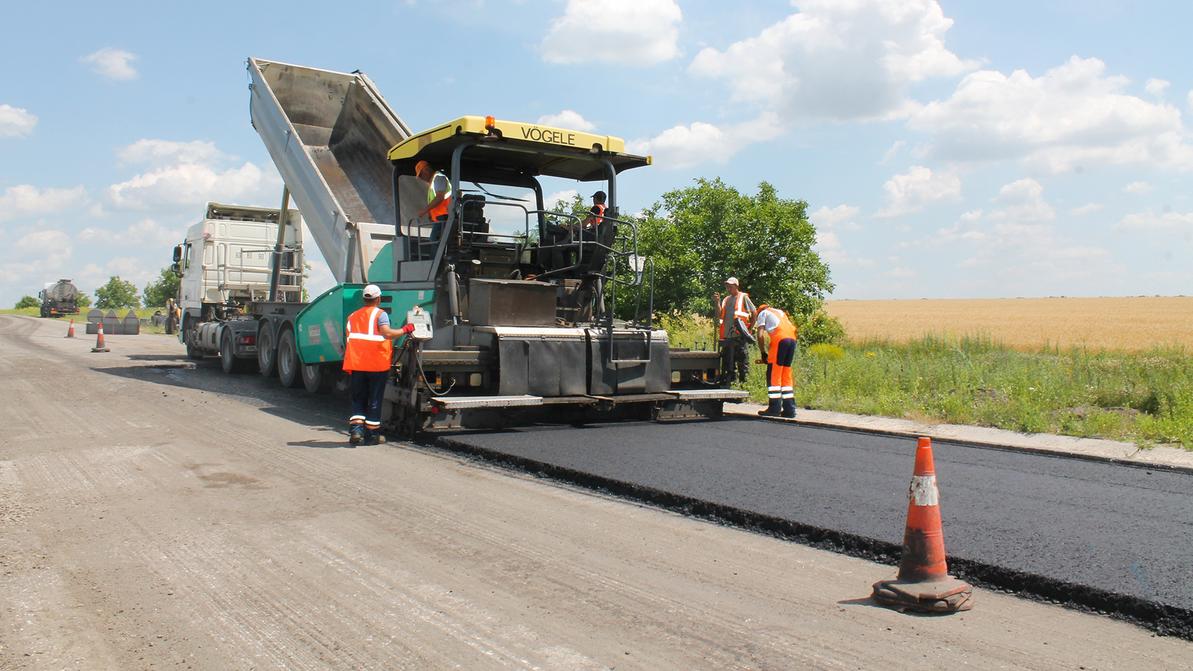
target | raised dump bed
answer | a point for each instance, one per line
(328, 134)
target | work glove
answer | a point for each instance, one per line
(408, 329)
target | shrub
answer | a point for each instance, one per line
(821, 327)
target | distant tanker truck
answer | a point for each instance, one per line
(59, 298)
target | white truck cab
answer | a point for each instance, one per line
(225, 266)
(226, 258)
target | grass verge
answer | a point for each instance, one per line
(1143, 396)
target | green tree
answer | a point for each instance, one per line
(83, 300)
(165, 286)
(27, 302)
(699, 235)
(116, 294)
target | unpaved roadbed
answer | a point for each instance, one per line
(139, 532)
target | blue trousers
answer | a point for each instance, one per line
(367, 389)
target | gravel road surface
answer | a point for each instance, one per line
(157, 516)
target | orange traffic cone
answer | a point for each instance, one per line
(924, 583)
(99, 339)
(70, 331)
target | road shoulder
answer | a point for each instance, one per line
(1160, 456)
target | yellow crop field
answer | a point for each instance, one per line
(1133, 323)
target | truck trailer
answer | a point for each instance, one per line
(527, 312)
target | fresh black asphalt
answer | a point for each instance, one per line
(1047, 525)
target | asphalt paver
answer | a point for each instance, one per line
(1048, 521)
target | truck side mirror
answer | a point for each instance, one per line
(175, 269)
(177, 255)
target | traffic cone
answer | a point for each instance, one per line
(70, 331)
(99, 339)
(923, 583)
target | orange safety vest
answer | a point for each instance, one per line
(366, 349)
(599, 217)
(784, 330)
(739, 312)
(441, 209)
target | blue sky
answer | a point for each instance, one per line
(945, 149)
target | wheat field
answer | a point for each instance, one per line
(1132, 323)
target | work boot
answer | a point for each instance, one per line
(772, 409)
(356, 434)
(374, 437)
(789, 408)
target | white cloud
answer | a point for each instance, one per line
(684, 146)
(192, 185)
(143, 232)
(42, 249)
(16, 121)
(112, 63)
(828, 221)
(558, 197)
(893, 151)
(1162, 221)
(628, 32)
(918, 187)
(127, 268)
(833, 217)
(163, 152)
(1138, 188)
(183, 176)
(1072, 115)
(568, 119)
(43, 240)
(1022, 202)
(1157, 87)
(25, 200)
(1088, 208)
(838, 60)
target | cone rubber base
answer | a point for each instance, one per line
(100, 349)
(947, 595)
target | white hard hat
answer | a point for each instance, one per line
(371, 291)
(731, 280)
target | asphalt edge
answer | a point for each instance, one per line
(989, 445)
(1159, 618)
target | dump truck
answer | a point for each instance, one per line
(524, 312)
(233, 292)
(59, 298)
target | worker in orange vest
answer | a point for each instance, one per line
(596, 215)
(439, 196)
(778, 338)
(368, 355)
(734, 331)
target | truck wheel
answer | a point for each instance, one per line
(228, 360)
(316, 378)
(289, 367)
(188, 336)
(267, 355)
